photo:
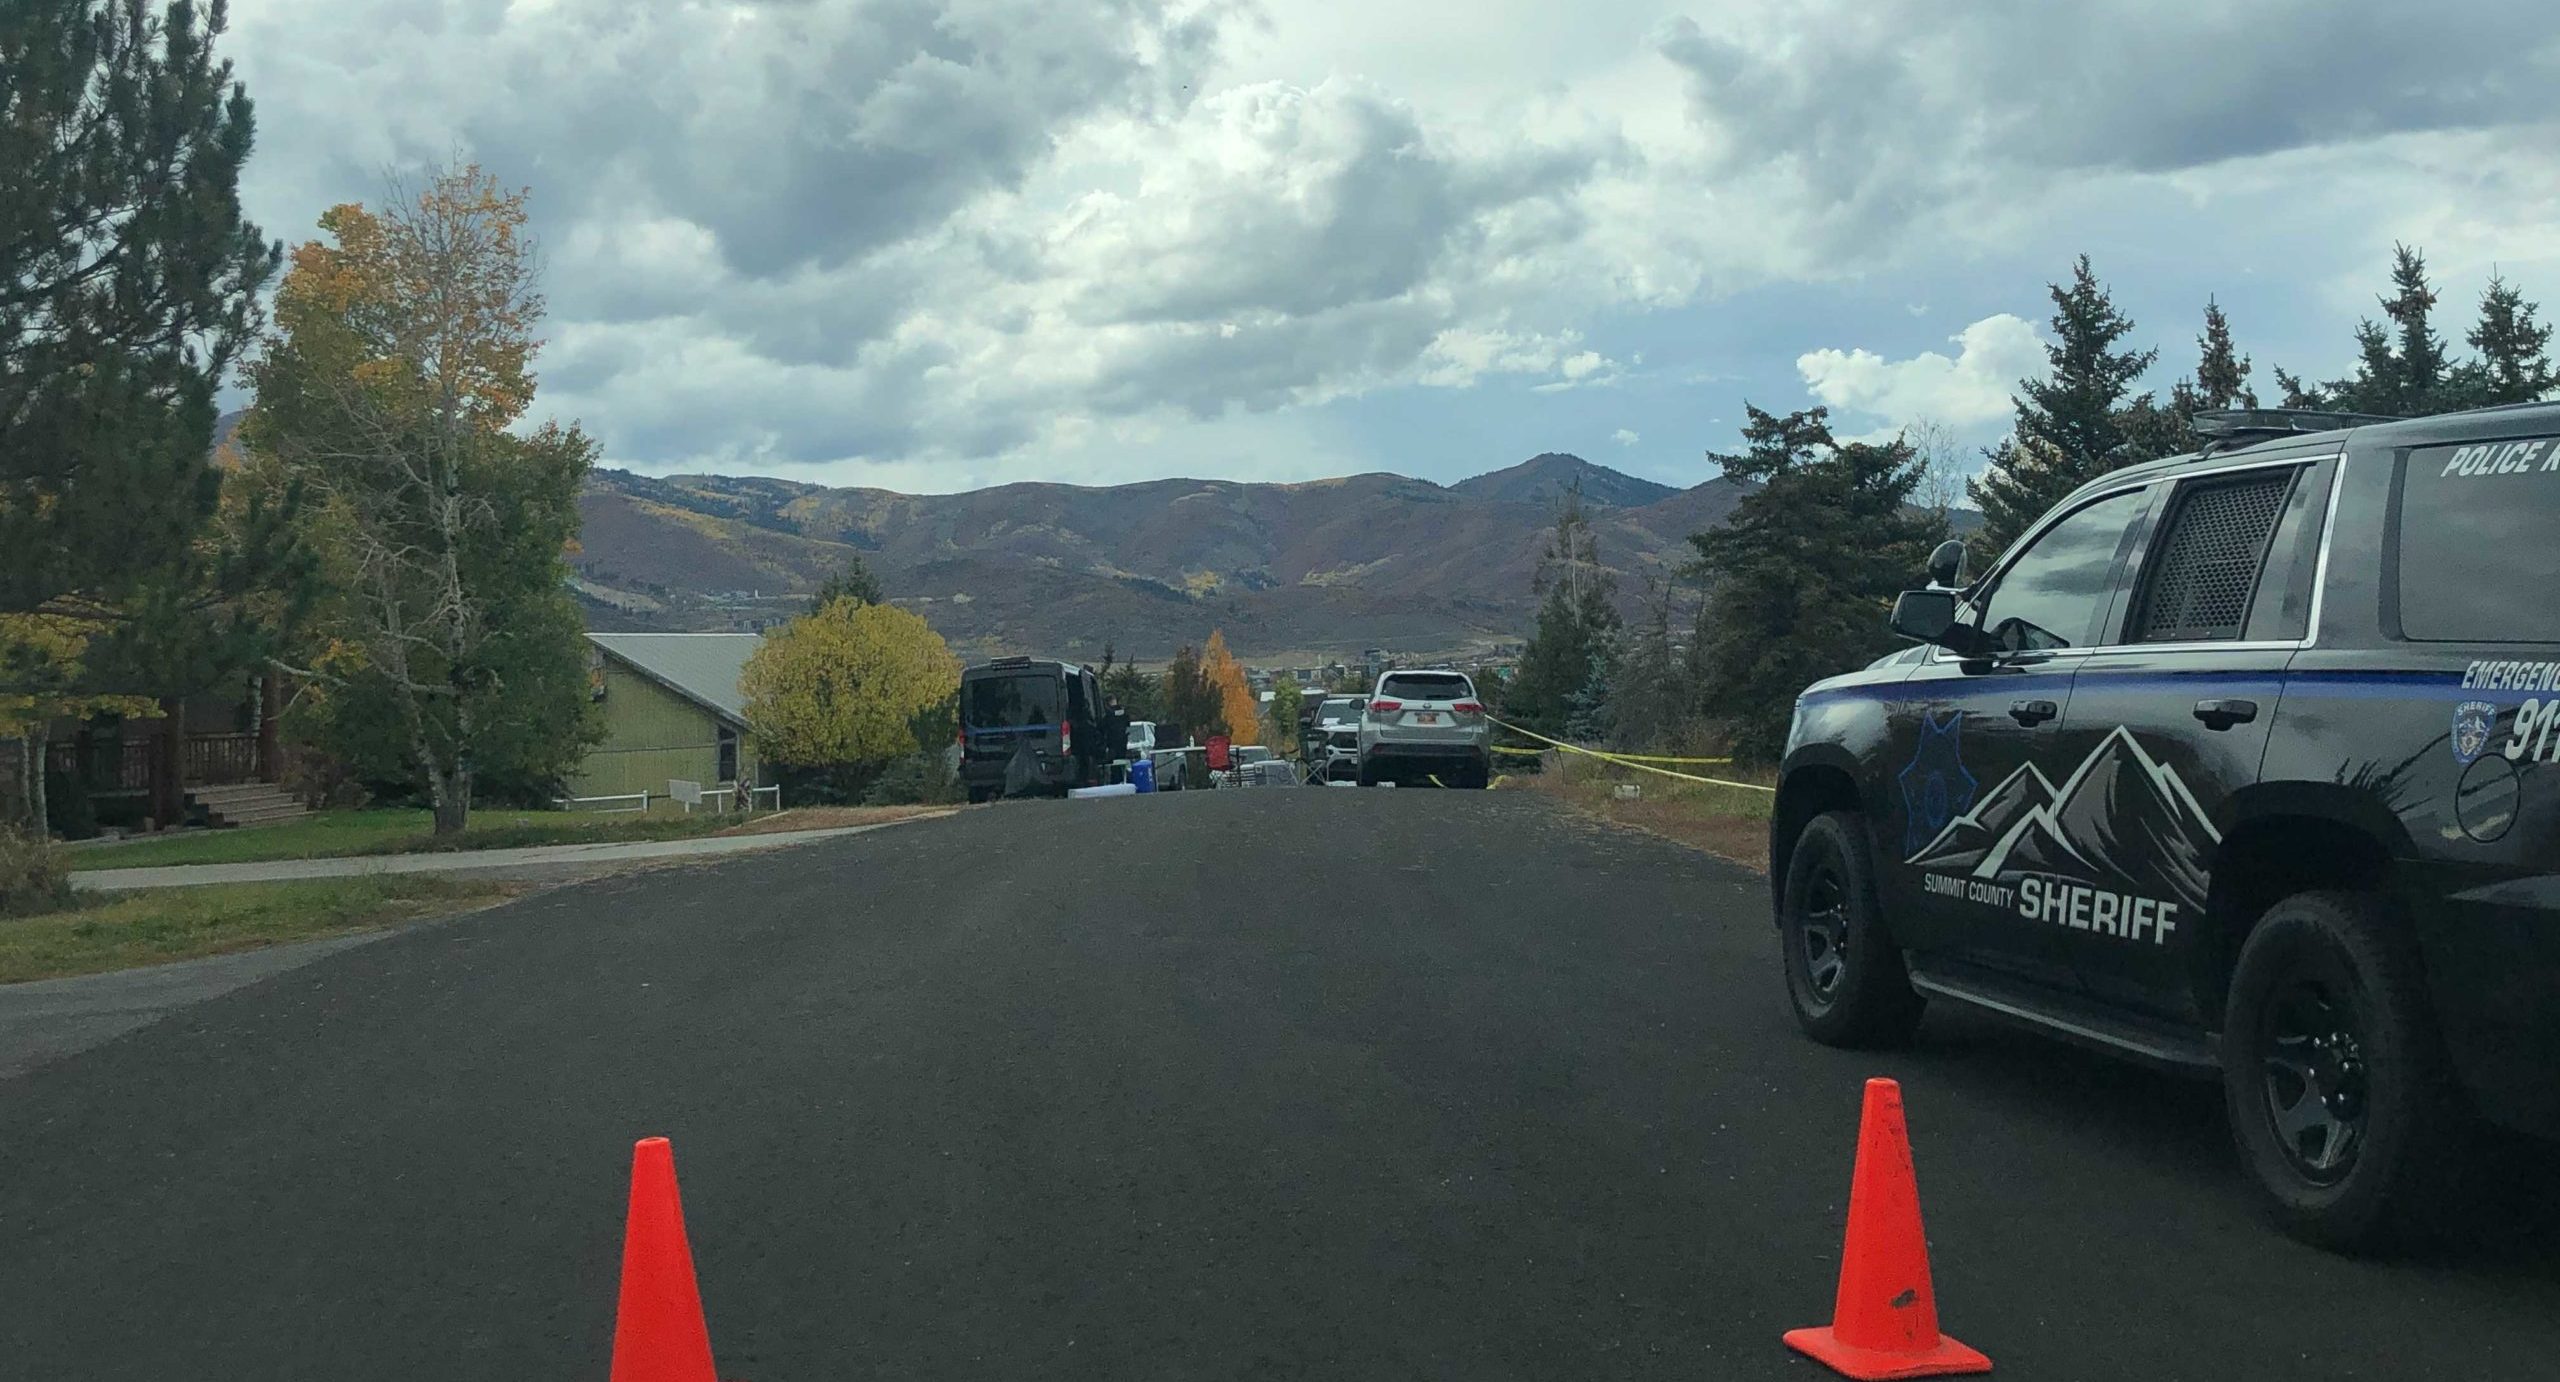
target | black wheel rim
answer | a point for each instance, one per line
(2314, 1073)
(1823, 933)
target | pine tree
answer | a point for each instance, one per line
(1587, 707)
(1653, 689)
(2222, 374)
(855, 582)
(2514, 346)
(1800, 579)
(2421, 358)
(2071, 424)
(2401, 368)
(1578, 605)
(2297, 392)
(129, 282)
(1191, 701)
(1141, 695)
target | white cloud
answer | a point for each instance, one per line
(1966, 390)
(1001, 238)
(1459, 356)
(1625, 436)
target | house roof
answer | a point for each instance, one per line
(701, 667)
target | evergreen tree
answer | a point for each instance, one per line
(2152, 430)
(1800, 579)
(2514, 346)
(1192, 702)
(1587, 713)
(1578, 605)
(129, 282)
(1653, 689)
(2401, 368)
(2421, 358)
(2300, 393)
(2222, 372)
(2071, 424)
(853, 582)
(1141, 695)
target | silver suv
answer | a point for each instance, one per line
(1422, 725)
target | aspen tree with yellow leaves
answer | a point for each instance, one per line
(392, 390)
(1237, 705)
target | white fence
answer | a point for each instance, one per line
(601, 806)
(688, 794)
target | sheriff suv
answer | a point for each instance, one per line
(2244, 763)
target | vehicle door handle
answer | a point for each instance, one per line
(2222, 713)
(2033, 712)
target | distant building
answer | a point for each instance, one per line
(672, 708)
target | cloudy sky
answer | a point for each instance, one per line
(935, 244)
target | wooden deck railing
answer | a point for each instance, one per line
(218, 760)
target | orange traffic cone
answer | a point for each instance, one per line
(659, 1334)
(1885, 1322)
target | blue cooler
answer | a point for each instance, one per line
(1142, 774)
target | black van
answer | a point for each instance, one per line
(2240, 763)
(1029, 726)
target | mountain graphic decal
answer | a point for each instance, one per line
(1996, 815)
(2121, 820)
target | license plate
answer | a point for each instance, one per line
(1426, 717)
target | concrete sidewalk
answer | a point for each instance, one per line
(539, 861)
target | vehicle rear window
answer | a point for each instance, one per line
(1426, 686)
(2208, 563)
(1347, 708)
(2475, 552)
(1002, 702)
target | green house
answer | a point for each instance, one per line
(672, 709)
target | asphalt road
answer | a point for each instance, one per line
(1222, 1085)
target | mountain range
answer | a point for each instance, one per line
(1290, 572)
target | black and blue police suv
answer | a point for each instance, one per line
(2245, 763)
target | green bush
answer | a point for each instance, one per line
(920, 779)
(33, 879)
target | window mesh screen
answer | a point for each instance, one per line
(2209, 564)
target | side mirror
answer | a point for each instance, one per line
(1929, 616)
(1946, 565)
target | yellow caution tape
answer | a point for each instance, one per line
(1620, 757)
(1625, 760)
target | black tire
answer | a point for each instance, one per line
(2341, 1100)
(1368, 776)
(1845, 977)
(1480, 773)
(980, 795)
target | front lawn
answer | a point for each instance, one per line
(124, 930)
(337, 834)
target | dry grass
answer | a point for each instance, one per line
(831, 818)
(158, 925)
(1731, 823)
